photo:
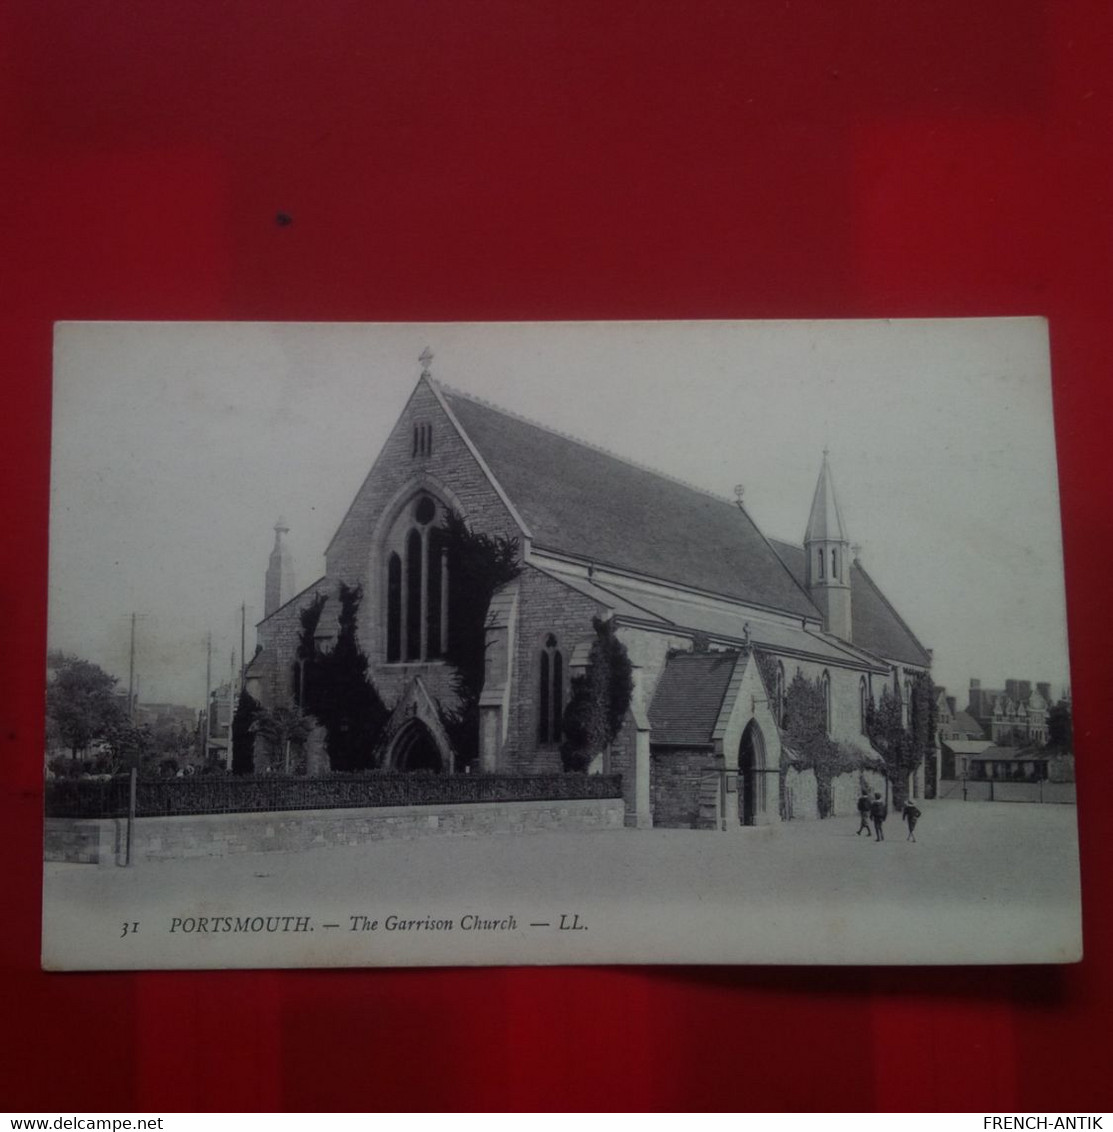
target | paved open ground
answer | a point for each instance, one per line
(983, 883)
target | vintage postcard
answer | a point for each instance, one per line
(453, 644)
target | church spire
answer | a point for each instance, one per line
(280, 572)
(825, 522)
(827, 553)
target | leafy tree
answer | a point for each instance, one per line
(130, 745)
(306, 666)
(479, 565)
(243, 737)
(923, 720)
(903, 749)
(335, 687)
(173, 740)
(599, 701)
(1060, 735)
(81, 702)
(282, 728)
(347, 702)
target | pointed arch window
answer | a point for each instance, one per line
(863, 703)
(394, 608)
(416, 585)
(819, 555)
(825, 684)
(834, 563)
(779, 696)
(550, 698)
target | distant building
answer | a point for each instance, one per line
(166, 715)
(1017, 712)
(1006, 763)
(958, 735)
(951, 721)
(218, 726)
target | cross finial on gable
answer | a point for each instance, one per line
(426, 360)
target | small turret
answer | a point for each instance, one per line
(280, 572)
(827, 553)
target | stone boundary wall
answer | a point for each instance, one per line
(103, 841)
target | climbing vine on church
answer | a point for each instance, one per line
(806, 734)
(600, 699)
(479, 565)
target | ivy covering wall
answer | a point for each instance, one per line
(806, 735)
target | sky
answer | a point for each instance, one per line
(177, 446)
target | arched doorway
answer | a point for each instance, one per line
(415, 749)
(751, 776)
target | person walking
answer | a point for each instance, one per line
(878, 812)
(864, 814)
(911, 814)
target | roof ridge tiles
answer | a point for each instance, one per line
(488, 404)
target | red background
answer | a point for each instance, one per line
(488, 159)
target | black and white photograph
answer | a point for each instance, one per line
(556, 643)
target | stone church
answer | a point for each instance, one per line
(694, 590)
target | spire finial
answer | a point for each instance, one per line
(426, 359)
(281, 525)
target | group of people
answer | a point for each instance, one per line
(876, 810)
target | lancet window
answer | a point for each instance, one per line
(417, 585)
(550, 692)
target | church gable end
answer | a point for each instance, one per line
(425, 456)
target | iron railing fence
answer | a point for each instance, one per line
(1006, 790)
(92, 798)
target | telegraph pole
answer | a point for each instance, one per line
(131, 671)
(231, 707)
(208, 686)
(243, 643)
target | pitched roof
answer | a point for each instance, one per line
(582, 501)
(689, 697)
(875, 624)
(967, 746)
(721, 620)
(966, 722)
